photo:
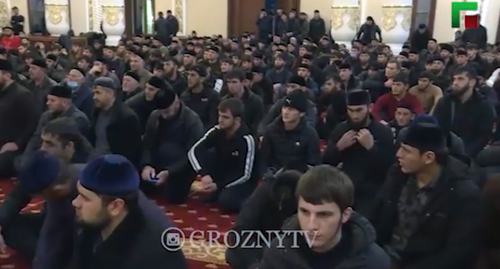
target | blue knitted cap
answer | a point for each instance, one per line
(38, 172)
(112, 175)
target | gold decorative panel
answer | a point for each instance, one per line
(179, 13)
(56, 12)
(113, 14)
(391, 12)
(353, 13)
(4, 14)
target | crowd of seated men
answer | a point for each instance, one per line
(384, 161)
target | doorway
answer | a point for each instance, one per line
(423, 12)
(139, 17)
(242, 14)
(288, 5)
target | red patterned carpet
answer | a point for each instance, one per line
(189, 217)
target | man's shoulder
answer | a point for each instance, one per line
(376, 257)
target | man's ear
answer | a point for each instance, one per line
(346, 215)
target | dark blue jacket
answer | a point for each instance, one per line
(364, 253)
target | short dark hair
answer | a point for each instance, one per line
(426, 74)
(467, 70)
(334, 77)
(131, 200)
(234, 105)
(398, 64)
(65, 129)
(236, 74)
(326, 184)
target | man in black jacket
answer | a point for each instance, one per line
(267, 209)
(254, 107)
(229, 176)
(362, 147)
(429, 213)
(290, 139)
(328, 233)
(171, 131)
(148, 99)
(59, 105)
(117, 232)
(115, 127)
(61, 139)
(466, 112)
(19, 116)
(317, 27)
(296, 83)
(201, 97)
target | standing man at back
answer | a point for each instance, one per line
(161, 29)
(173, 24)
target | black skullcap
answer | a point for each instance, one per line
(295, 79)
(133, 75)
(165, 98)
(158, 66)
(258, 55)
(105, 82)
(297, 99)
(404, 54)
(438, 58)
(447, 47)
(61, 91)
(190, 52)
(212, 48)
(40, 63)
(307, 56)
(358, 97)
(52, 57)
(200, 69)
(406, 64)
(344, 66)
(461, 52)
(81, 71)
(305, 66)
(425, 137)
(6, 65)
(407, 105)
(158, 83)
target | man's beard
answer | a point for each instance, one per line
(460, 92)
(356, 126)
(435, 71)
(99, 225)
(170, 73)
(195, 85)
